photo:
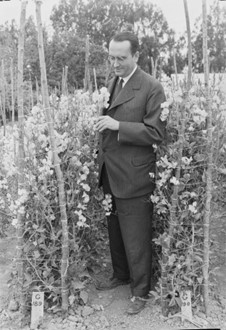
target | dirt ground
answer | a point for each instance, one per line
(106, 309)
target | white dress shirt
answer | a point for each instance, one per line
(126, 79)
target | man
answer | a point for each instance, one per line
(129, 128)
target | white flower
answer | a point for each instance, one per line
(85, 198)
(86, 187)
(154, 146)
(192, 207)
(164, 114)
(15, 222)
(152, 175)
(174, 181)
(186, 160)
(154, 199)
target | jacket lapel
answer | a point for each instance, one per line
(127, 93)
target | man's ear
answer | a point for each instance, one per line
(136, 56)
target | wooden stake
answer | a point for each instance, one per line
(87, 84)
(21, 156)
(3, 98)
(206, 221)
(189, 43)
(56, 163)
(12, 92)
(175, 68)
(95, 78)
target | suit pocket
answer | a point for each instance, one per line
(143, 160)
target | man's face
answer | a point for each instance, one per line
(121, 58)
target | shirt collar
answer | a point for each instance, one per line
(125, 79)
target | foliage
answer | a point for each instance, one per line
(102, 19)
(74, 117)
(216, 40)
(180, 231)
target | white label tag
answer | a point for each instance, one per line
(37, 309)
(186, 310)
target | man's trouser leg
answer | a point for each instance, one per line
(129, 227)
(135, 217)
(117, 249)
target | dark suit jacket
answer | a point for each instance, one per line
(128, 153)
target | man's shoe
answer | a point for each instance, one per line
(137, 304)
(113, 283)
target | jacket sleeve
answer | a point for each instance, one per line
(152, 129)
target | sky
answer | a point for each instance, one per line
(173, 10)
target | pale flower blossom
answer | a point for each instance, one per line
(174, 181)
(154, 146)
(164, 114)
(154, 199)
(151, 175)
(186, 160)
(107, 204)
(192, 207)
(15, 222)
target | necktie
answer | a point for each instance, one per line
(118, 88)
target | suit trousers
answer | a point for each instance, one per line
(129, 228)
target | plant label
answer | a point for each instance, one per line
(37, 309)
(186, 310)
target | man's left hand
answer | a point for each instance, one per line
(106, 122)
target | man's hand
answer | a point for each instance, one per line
(106, 122)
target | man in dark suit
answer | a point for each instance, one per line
(129, 128)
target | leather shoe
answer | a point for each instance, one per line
(113, 283)
(137, 304)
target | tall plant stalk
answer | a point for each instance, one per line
(12, 92)
(13, 105)
(87, 84)
(206, 222)
(56, 163)
(21, 156)
(3, 103)
(64, 80)
(175, 68)
(189, 43)
(166, 247)
(37, 90)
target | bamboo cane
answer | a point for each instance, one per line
(21, 156)
(64, 80)
(12, 92)
(189, 43)
(175, 68)
(173, 214)
(13, 107)
(56, 162)
(206, 223)
(37, 89)
(3, 98)
(95, 78)
(31, 93)
(87, 84)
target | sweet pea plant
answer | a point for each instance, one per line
(179, 197)
(77, 143)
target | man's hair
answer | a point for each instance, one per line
(128, 36)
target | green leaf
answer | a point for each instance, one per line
(71, 299)
(200, 279)
(198, 258)
(172, 259)
(84, 296)
(78, 285)
(36, 254)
